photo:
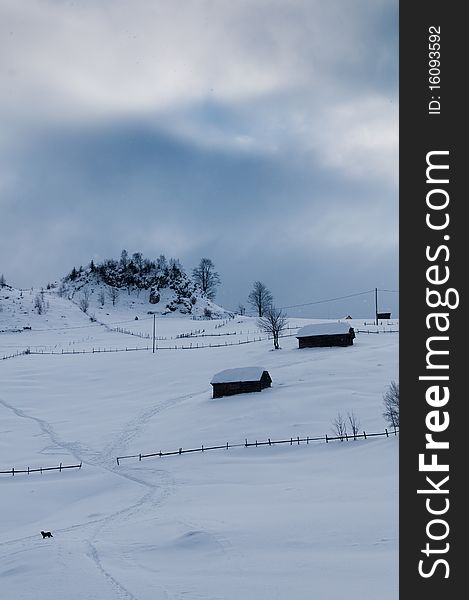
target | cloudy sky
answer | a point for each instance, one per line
(260, 133)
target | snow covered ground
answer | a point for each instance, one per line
(253, 523)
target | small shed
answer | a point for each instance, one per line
(325, 334)
(383, 315)
(240, 381)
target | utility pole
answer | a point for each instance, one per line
(154, 329)
(376, 305)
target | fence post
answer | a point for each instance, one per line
(270, 444)
(291, 441)
(327, 441)
(180, 450)
(387, 434)
(117, 458)
(364, 435)
(202, 447)
(139, 457)
(298, 440)
(227, 445)
(60, 468)
(246, 442)
(13, 471)
(28, 470)
(256, 443)
(307, 440)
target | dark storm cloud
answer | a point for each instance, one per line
(261, 134)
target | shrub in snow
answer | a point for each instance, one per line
(339, 427)
(154, 296)
(113, 295)
(101, 297)
(84, 301)
(39, 304)
(391, 404)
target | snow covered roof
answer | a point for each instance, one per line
(323, 329)
(239, 374)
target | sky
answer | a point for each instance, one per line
(262, 134)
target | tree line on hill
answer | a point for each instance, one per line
(135, 271)
(140, 273)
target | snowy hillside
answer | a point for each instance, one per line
(254, 523)
(108, 292)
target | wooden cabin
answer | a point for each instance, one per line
(240, 381)
(325, 334)
(383, 315)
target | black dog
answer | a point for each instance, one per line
(46, 534)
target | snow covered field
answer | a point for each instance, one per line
(317, 520)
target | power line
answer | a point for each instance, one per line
(328, 300)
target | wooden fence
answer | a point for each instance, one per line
(18, 353)
(246, 444)
(60, 468)
(291, 441)
(377, 331)
(191, 346)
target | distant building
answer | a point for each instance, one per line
(325, 334)
(240, 381)
(383, 315)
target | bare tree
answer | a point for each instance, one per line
(354, 423)
(61, 291)
(260, 298)
(391, 404)
(273, 322)
(2, 281)
(241, 309)
(84, 300)
(207, 278)
(39, 304)
(124, 261)
(339, 427)
(113, 295)
(137, 259)
(101, 297)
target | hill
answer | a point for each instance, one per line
(318, 519)
(108, 292)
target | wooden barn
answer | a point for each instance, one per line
(240, 381)
(383, 315)
(325, 334)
